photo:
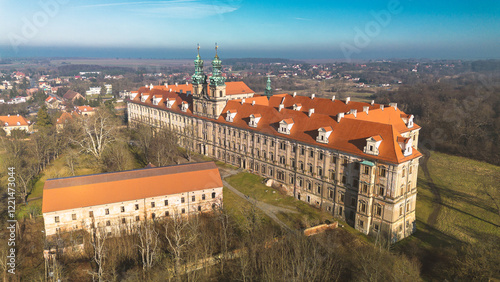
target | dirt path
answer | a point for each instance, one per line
(435, 191)
(268, 209)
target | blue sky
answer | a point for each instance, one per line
(289, 29)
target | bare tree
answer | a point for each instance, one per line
(163, 147)
(148, 244)
(99, 252)
(179, 237)
(97, 133)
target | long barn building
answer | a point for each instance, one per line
(358, 161)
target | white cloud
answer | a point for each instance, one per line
(175, 8)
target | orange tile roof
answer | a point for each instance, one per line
(99, 189)
(85, 109)
(12, 120)
(232, 88)
(64, 117)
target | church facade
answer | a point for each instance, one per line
(355, 160)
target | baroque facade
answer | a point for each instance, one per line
(355, 160)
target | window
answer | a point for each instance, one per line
(213, 195)
(291, 179)
(403, 173)
(167, 213)
(108, 222)
(124, 221)
(361, 223)
(166, 202)
(410, 169)
(344, 179)
(340, 211)
(199, 208)
(153, 216)
(344, 162)
(136, 206)
(367, 170)
(282, 145)
(311, 154)
(182, 200)
(408, 207)
(73, 216)
(91, 214)
(310, 168)
(56, 219)
(330, 193)
(364, 188)
(401, 210)
(282, 160)
(203, 196)
(152, 204)
(309, 185)
(383, 172)
(193, 198)
(381, 190)
(294, 149)
(375, 227)
(318, 188)
(122, 209)
(320, 156)
(137, 218)
(362, 206)
(301, 165)
(183, 210)
(308, 199)
(106, 211)
(302, 151)
(320, 171)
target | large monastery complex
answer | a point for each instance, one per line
(357, 161)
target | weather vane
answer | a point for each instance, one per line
(198, 48)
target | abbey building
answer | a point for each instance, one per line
(355, 160)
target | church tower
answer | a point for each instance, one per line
(209, 100)
(199, 78)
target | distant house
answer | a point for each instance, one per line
(71, 95)
(9, 123)
(85, 110)
(63, 120)
(93, 91)
(53, 102)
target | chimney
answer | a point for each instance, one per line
(347, 100)
(365, 109)
(333, 98)
(187, 83)
(8, 115)
(394, 105)
(311, 111)
(243, 101)
(170, 90)
(294, 94)
(372, 103)
(150, 86)
(382, 107)
(339, 117)
(354, 112)
(281, 107)
(312, 96)
(166, 84)
(176, 84)
(253, 103)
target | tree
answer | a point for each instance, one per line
(99, 252)
(148, 244)
(43, 118)
(97, 133)
(163, 147)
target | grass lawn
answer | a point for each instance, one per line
(238, 209)
(305, 215)
(467, 213)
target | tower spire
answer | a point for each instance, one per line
(269, 90)
(217, 79)
(198, 78)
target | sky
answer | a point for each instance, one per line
(286, 29)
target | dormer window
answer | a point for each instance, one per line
(254, 120)
(408, 120)
(406, 145)
(18, 123)
(372, 145)
(285, 126)
(169, 103)
(156, 100)
(144, 97)
(184, 106)
(324, 134)
(297, 107)
(230, 115)
(6, 124)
